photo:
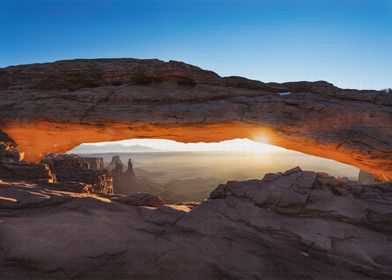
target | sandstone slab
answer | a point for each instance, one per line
(343, 230)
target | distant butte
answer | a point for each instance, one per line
(53, 107)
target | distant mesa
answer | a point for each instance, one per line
(112, 148)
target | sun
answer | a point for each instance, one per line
(247, 145)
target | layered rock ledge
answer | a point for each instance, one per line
(292, 225)
(73, 168)
(72, 102)
(12, 165)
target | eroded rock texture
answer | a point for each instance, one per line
(95, 163)
(125, 180)
(72, 102)
(292, 225)
(58, 171)
(73, 168)
(13, 167)
(115, 163)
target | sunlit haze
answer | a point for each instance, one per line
(244, 145)
(230, 160)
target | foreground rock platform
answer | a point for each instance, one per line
(292, 225)
(78, 101)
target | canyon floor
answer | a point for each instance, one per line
(292, 225)
(191, 176)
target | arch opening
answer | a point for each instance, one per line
(180, 172)
(42, 137)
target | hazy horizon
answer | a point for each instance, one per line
(236, 159)
(238, 144)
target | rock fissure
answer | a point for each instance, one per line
(236, 219)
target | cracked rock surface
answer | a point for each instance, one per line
(292, 225)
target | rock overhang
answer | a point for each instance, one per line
(53, 107)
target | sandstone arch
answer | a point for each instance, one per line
(53, 107)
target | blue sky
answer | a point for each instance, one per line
(346, 42)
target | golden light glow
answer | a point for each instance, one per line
(41, 137)
(243, 144)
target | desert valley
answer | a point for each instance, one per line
(179, 176)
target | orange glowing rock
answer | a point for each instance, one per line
(54, 107)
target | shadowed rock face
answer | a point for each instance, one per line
(114, 163)
(53, 107)
(96, 163)
(292, 225)
(73, 168)
(13, 167)
(366, 178)
(126, 182)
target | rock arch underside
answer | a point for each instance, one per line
(66, 216)
(53, 107)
